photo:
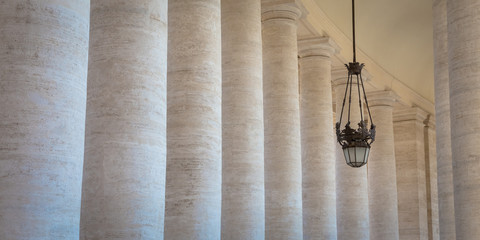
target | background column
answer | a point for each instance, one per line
(318, 149)
(283, 173)
(243, 192)
(442, 114)
(124, 172)
(194, 130)
(411, 179)
(382, 182)
(464, 69)
(351, 183)
(43, 78)
(431, 177)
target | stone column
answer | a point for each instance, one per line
(411, 179)
(442, 114)
(318, 149)
(431, 176)
(194, 130)
(382, 182)
(351, 183)
(43, 80)
(464, 71)
(243, 192)
(124, 172)
(283, 173)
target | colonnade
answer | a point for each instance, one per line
(237, 144)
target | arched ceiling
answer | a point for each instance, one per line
(396, 34)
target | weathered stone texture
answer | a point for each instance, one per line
(442, 115)
(411, 180)
(463, 61)
(431, 177)
(243, 192)
(194, 131)
(283, 173)
(382, 182)
(125, 147)
(318, 149)
(43, 77)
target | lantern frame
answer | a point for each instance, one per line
(355, 142)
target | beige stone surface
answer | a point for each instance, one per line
(243, 192)
(351, 183)
(283, 173)
(43, 77)
(431, 177)
(411, 179)
(442, 115)
(125, 147)
(382, 182)
(318, 149)
(194, 130)
(464, 58)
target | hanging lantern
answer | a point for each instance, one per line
(355, 141)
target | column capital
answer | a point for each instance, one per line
(409, 114)
(382, 98)
(319, 46)
(281, 9)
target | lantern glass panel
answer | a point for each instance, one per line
(356, 156)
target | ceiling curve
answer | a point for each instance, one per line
(397, 35)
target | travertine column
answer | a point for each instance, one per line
(464, 70)
(243, 192)
(124, 172)
(283, 173)
(43, 78)
(351, 183)
(431, 177)
(411, 179)
(382, 182)
(442, 114)
(194, 130)
(318, 149)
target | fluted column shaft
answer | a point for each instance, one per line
(283, 174)
(194, 131)
(318, 150)
(464, 73)
(351, 183)
(411, 167)
(243, 192)
(382, 182)
(125, 148)
(442, 114)
(43, 78)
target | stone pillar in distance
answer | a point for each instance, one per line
(283, 173)
(382, 182)
(318, 149)
(408, 125)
